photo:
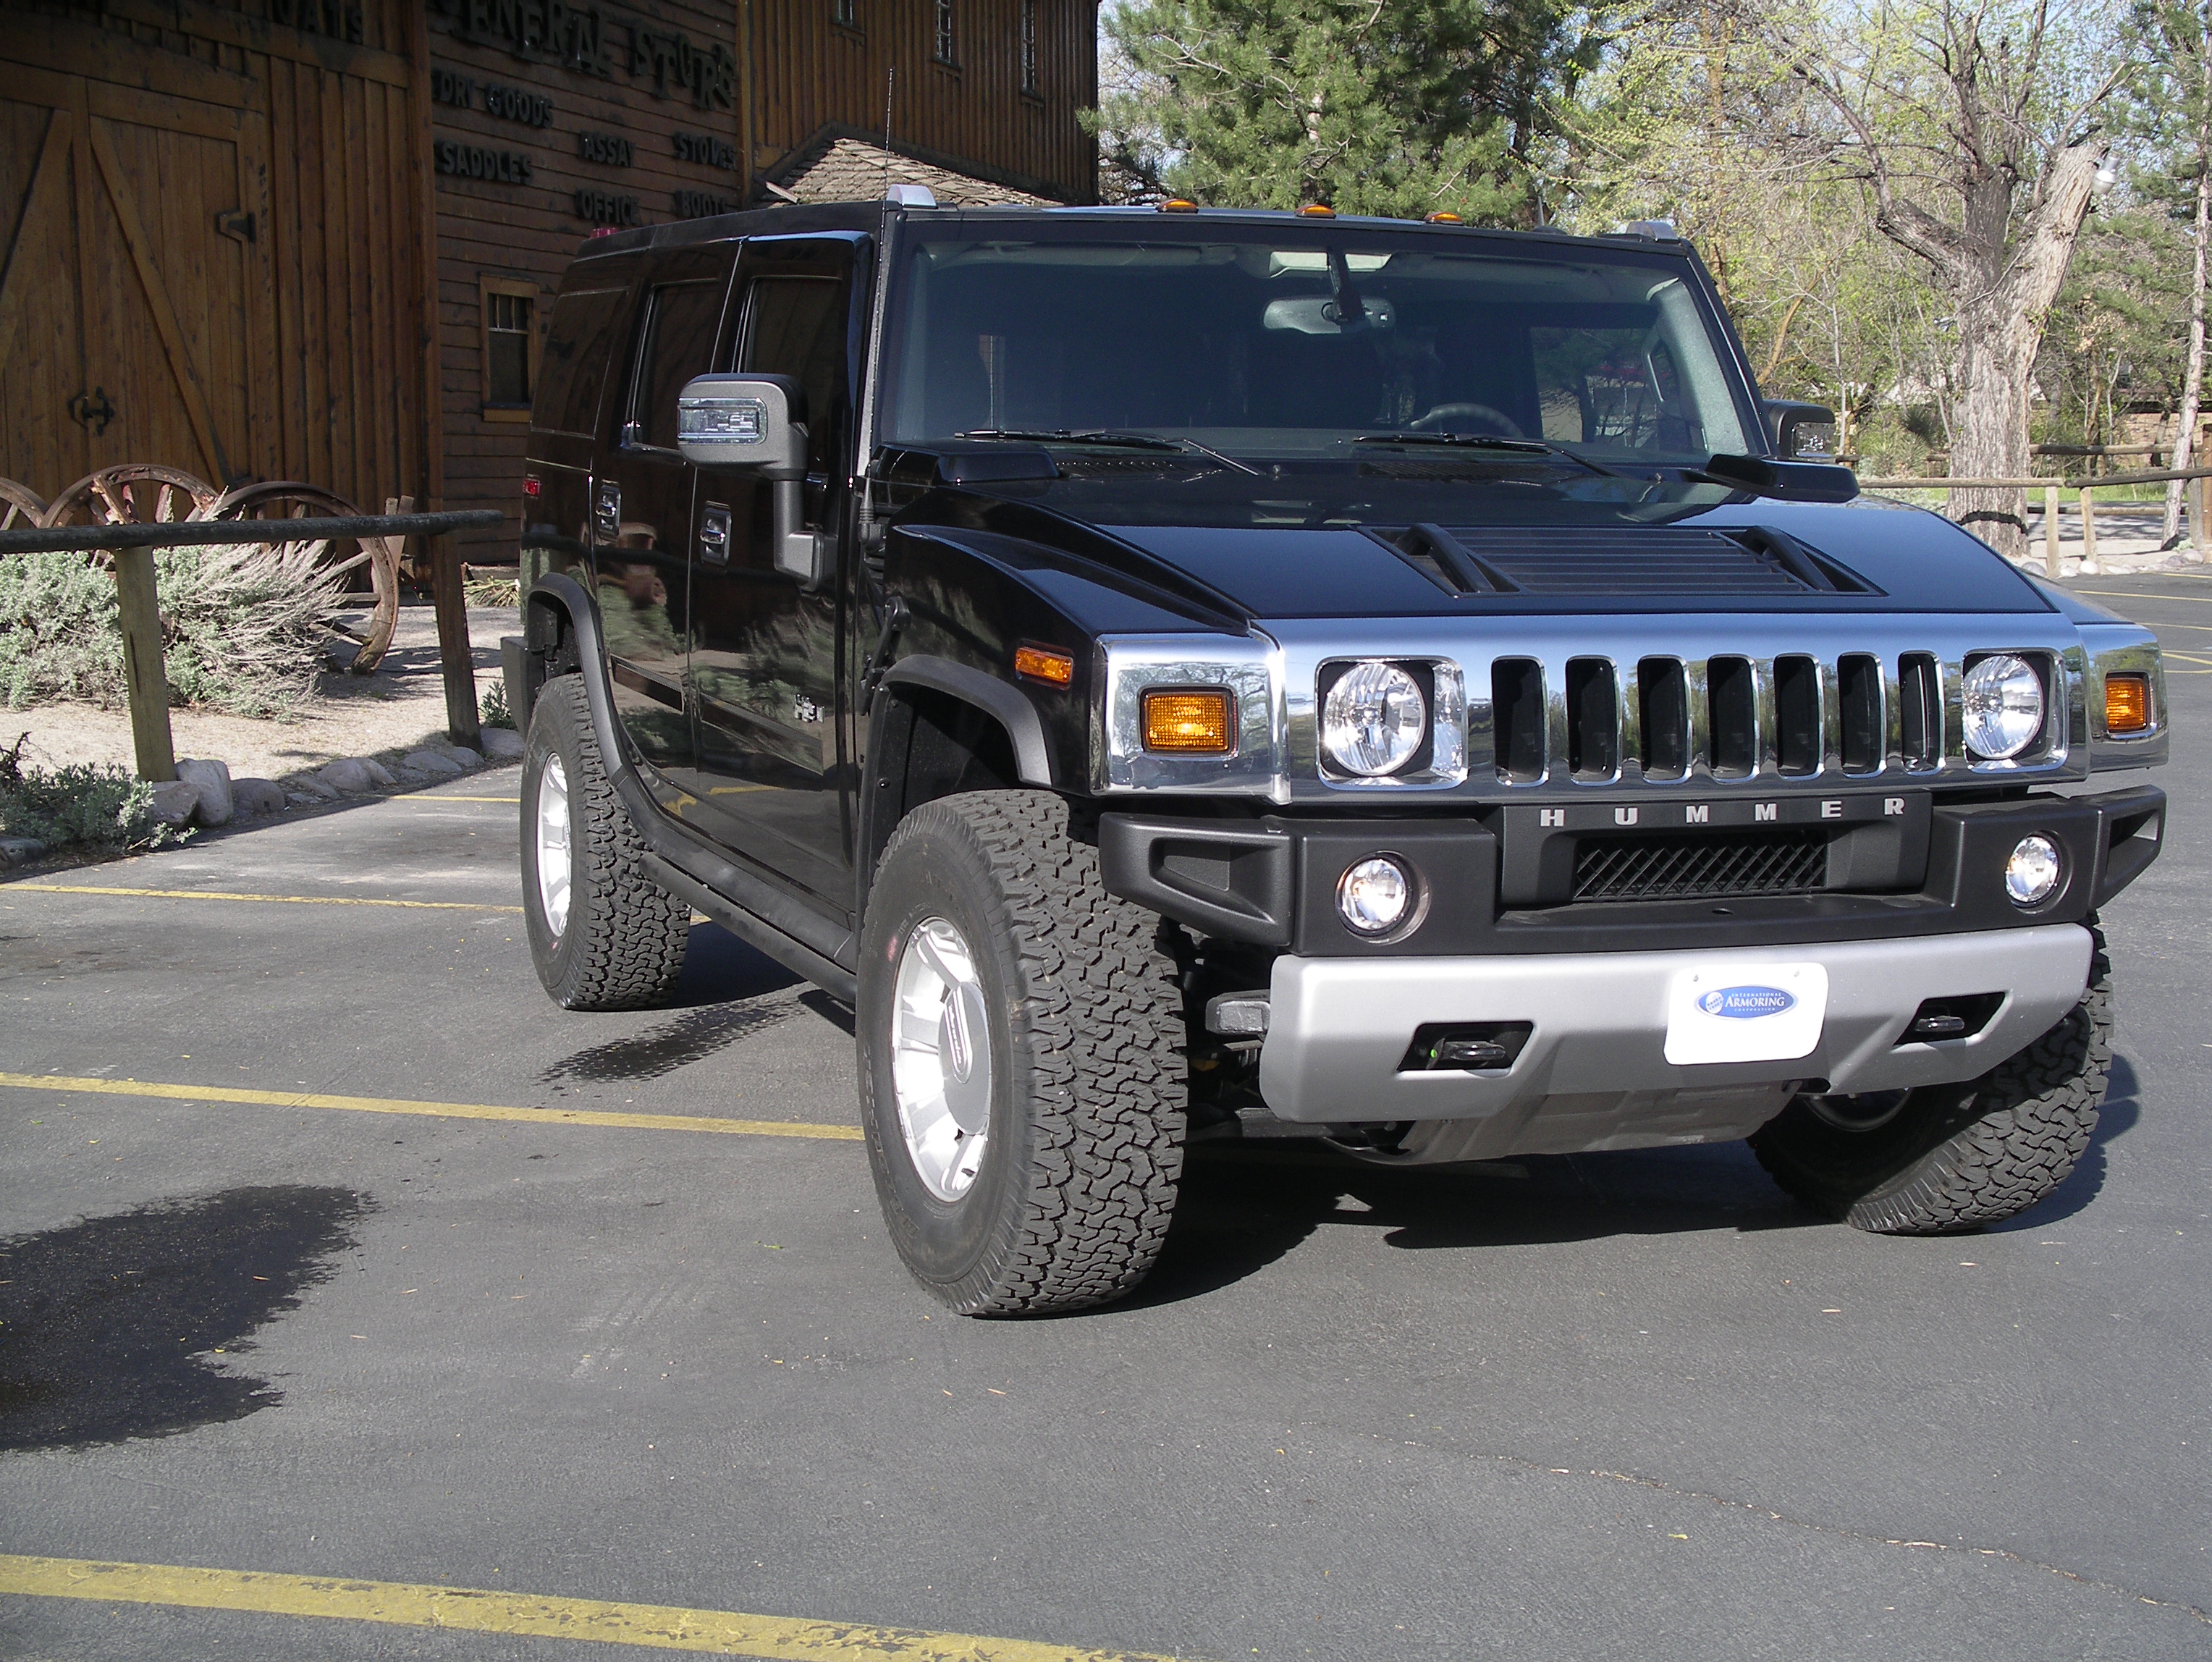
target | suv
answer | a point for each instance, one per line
(1184, 674)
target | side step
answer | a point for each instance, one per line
(801, 960)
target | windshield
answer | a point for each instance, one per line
(1292, 341)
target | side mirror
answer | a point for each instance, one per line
(1801, 432)
(756, 424)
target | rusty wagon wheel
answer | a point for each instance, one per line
(22, 508)
(289, 499)
(136, 493)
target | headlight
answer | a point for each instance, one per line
(2003, 703)
(1373, 719)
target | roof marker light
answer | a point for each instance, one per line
(1317, 210)
(1446, 216)
(1178, 204)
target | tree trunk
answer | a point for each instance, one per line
(2192, 387)
(1992, 440)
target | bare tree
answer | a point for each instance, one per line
(1976, 165)
(2177, 93)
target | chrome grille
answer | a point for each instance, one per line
(1702, 866)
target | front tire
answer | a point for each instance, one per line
(1950, 1157)
(603, 934)
(1022, 1084)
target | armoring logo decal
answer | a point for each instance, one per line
(1747, 1003)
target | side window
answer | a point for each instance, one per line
(795, 327)
(677, 343)
(577, 344)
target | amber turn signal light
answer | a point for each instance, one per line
(1042, 664)
(1200, 722)
(2127, 703)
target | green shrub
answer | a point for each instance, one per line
(99, 806)
(492, 711)
(242, 627)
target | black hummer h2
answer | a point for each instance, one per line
(1180, 672)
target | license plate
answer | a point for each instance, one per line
(1746, 1012)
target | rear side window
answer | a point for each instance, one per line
(795, 327)
(577, 344)
(680, 321)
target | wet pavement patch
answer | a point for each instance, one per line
(690, 1037)
(107, 1327)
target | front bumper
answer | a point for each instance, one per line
(1594, 1073)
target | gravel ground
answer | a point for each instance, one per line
(402, 705)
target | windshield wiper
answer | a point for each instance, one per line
(1126, 441)
(1488, 441)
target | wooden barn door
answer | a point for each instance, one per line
(136, 300)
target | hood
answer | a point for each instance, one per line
(1320, 543)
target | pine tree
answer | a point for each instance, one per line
(1398, 107)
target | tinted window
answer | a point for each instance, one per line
(679, 344)
(795, 327)
(575, 359)
(1275, 344)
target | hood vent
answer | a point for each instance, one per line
(1654, 560)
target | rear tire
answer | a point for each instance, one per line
(991, 947)
(603, 935)
(1952, 1158)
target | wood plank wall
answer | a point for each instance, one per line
(809, 70)
(337, 396)
(514, 232)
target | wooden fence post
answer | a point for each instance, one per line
(2051, 566)
(2089, 530)
(2196, 521)
(463, 722)
(138, 609)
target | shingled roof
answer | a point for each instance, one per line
(840, 168)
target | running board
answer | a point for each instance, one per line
(801, 960)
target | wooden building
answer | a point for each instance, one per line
(317, 240)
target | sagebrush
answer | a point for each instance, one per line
(98, 805)
(242, 627)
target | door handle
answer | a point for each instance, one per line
(606, 513)
(715, 534)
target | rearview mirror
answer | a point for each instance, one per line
(743, 421)
(757, 424)
(1802, 432)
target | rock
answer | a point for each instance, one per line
(347, 774)
(467, 757)
(256, 796)
(501, 744)
(430, 761)
(20, 850)
(307, 788)
(175, 801)
(211, 780)
(377, 770)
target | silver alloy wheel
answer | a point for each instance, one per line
(554, 861)
(941, 1058)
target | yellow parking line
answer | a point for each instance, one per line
(2144, 594)
(427, 797)
(482, 1610)
(139, 1088)
(275, 899)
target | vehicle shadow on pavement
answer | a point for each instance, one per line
(1245, 1205)
(2122, 1108)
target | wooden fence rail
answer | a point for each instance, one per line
(2086, 488)
(146, 677)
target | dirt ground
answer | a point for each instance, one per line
(401, 706)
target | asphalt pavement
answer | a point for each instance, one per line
(340, 1269)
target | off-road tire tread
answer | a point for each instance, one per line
(635, 933)
(1992, 1149)
(1101, 1017)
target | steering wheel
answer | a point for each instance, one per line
(1445, 416)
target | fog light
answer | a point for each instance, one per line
(1375, 896)
(2034, 871)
